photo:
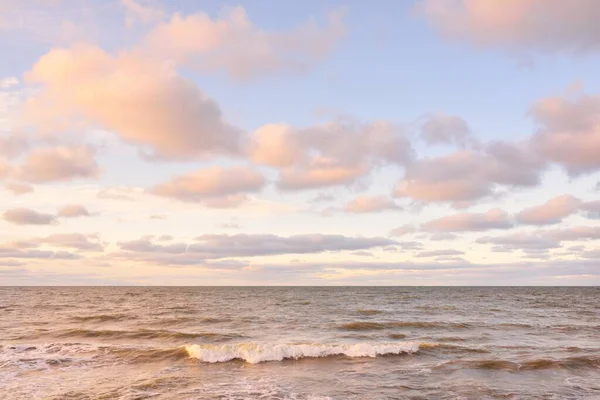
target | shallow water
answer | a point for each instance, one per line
(299, 343)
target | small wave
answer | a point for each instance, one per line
(101, 318)
(397, 335)
(536, 364)
(369, 312)
(369, 326)
(514, 325)
(144, 334)
(185, 320)
(256, 353)
(436, 308)
(452, 348)
(363, 326)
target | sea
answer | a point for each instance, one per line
(300, 343)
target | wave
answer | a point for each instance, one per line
(369, 312)
(140, 355)
(145, 334)
(535, 364)
(101, 318)
(452, 348)
(185, 320)
(363, 326)
(257, 353)
(514, 325)
(370, 326)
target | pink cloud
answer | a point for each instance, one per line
(73, 211)
(319, 174)
(76, 241)
(18, 188)
(493, 219)
(233, 44)
(518, 25)
(369, 204)
(13, 146)
(275, 145)
(467, 175)
(569, 132)
(5, 169)
(142, 100)
(330, 154)
(214, 187)
(59, 164)
(551, 212)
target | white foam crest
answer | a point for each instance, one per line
(256, 353)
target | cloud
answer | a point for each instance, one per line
(6, 169)
(402, 230)
(276, 145)
(76, 241)
(569, 132)
(9, 82)
(59, 164)
(233, 44)
(319, 174)
(546, 26)
(410, 245)
(73, 211)
(116, 193)
(370, 204)
(141, 11)
(214, 187)
(551, 212)
(442, 236)
(463, 222)
(439, 253)
(18, 188)
(33, 254)
(252, 245)
(468, 175)
(24, 216)
(362, 253)
(144, 101)
(446, 129)
(519, 241)
(12, 146)
(575, 233)
(592, 209)
(145, 245)
(330, 154)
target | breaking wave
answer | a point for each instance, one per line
(257, 353)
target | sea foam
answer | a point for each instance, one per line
(256, 353)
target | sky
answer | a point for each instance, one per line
(425, 142)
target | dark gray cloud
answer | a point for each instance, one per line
(25, 216)
(439, 253)
(208, 247)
